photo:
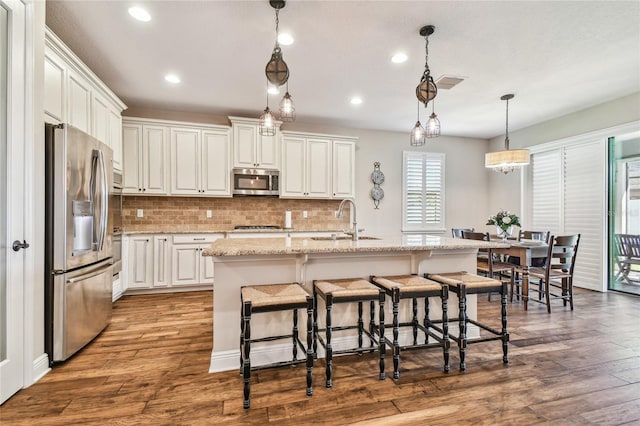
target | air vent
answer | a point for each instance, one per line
(446, 82)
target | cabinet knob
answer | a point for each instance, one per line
(139, 189)
(144, 189)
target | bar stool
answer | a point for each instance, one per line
(411, 287)
(345, 291)
(272, 298)
(463, 283)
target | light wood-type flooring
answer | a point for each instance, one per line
(150, 367)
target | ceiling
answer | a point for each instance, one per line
(556, 57)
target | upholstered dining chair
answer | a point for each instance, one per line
(457, 232)
(558, 270)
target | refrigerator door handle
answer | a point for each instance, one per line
(104, 204)
(89, 275)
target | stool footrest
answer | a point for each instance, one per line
(485, 327)
(279, 364)
(271, 338)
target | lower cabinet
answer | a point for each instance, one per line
(168, 261)
(188, 265)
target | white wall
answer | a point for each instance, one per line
(505, 190)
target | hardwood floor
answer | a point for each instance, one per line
(150, 367)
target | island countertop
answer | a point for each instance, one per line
(287, 245)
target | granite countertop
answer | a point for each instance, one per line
(232, 231)
(275, 246)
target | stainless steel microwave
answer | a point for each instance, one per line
(256, 182)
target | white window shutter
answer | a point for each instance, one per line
(546, 191)
(423, 191)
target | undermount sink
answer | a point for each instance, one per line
(345, 237)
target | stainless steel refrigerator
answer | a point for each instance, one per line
(78, 256)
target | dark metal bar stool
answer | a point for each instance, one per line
(411, 287)
(463, 283)
(344, 291)
(272, 298)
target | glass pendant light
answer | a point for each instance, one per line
(267, 125)
(433, 124)
(287, 108)
(418, 137)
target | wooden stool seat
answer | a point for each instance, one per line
(400, 287)
(463, 283)
(343, 291)
(271, 298)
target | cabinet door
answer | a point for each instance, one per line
(140, 274)
(100, 119)
(185, 264)
(292, 177)
(185, 161)
(344, 165)
(161, 261)
(53, 87)
(267, 152)
(154, 159)
(206, 268)
(318, 168)
(215, 171)
(79, 102)
(115, 138)
(132, 161)
(245, 137)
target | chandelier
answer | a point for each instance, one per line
(510, 159)
(277, 73)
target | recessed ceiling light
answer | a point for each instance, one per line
(356, 100)
(140, 14)
(399, 58)
(273, 90)
(285, 39)
(172, 78)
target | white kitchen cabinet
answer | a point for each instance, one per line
(73, 94)
(317, 166)
(161, 260)
(140, 259)
(200, 161)
(252, 150)
(145, 162)
(344, 168)
(188, 265)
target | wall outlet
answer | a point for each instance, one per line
(209, 214)
(140, 213)
(304, 214)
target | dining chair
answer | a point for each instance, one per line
(539, 262)
(558, 270)
(488, 264)
(457, 232)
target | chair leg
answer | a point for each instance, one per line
(310, 354)
(381, 342)
(462, 323)
(446, 343)
(570, 286)
(414, 320)
(329, 349)
(396, 344)
(294, 334)
(426, 319)
(246, 367)
(505, 334)
(360, 328)
(372, 322)
(547, 294)
(315, 322)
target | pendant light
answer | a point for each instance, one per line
(510, 159)
(277, 72)
(433, 124)
(417, 133)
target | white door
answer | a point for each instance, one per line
(12, 193)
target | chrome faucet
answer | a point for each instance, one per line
(354, 231)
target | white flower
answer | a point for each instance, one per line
(506, 220)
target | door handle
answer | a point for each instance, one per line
(17, 245)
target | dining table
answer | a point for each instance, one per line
(526, 251)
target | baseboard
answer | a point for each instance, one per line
(40, 367)
(176, 289)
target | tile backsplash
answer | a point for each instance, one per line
(165, 214)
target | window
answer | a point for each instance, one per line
(422, 191)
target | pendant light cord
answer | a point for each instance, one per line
(277, 26)
(506, 137)
(426, 56)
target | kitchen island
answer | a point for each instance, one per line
(251, 261)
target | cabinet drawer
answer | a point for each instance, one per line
(196, 238)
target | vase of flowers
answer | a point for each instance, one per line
(504, 223)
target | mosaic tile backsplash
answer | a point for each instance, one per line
(166, 214)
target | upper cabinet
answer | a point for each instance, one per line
(250, 149)
(317, 166)
(73, 94)
(176, 158)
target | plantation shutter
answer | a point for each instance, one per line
(546, 191)
(423, 191)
